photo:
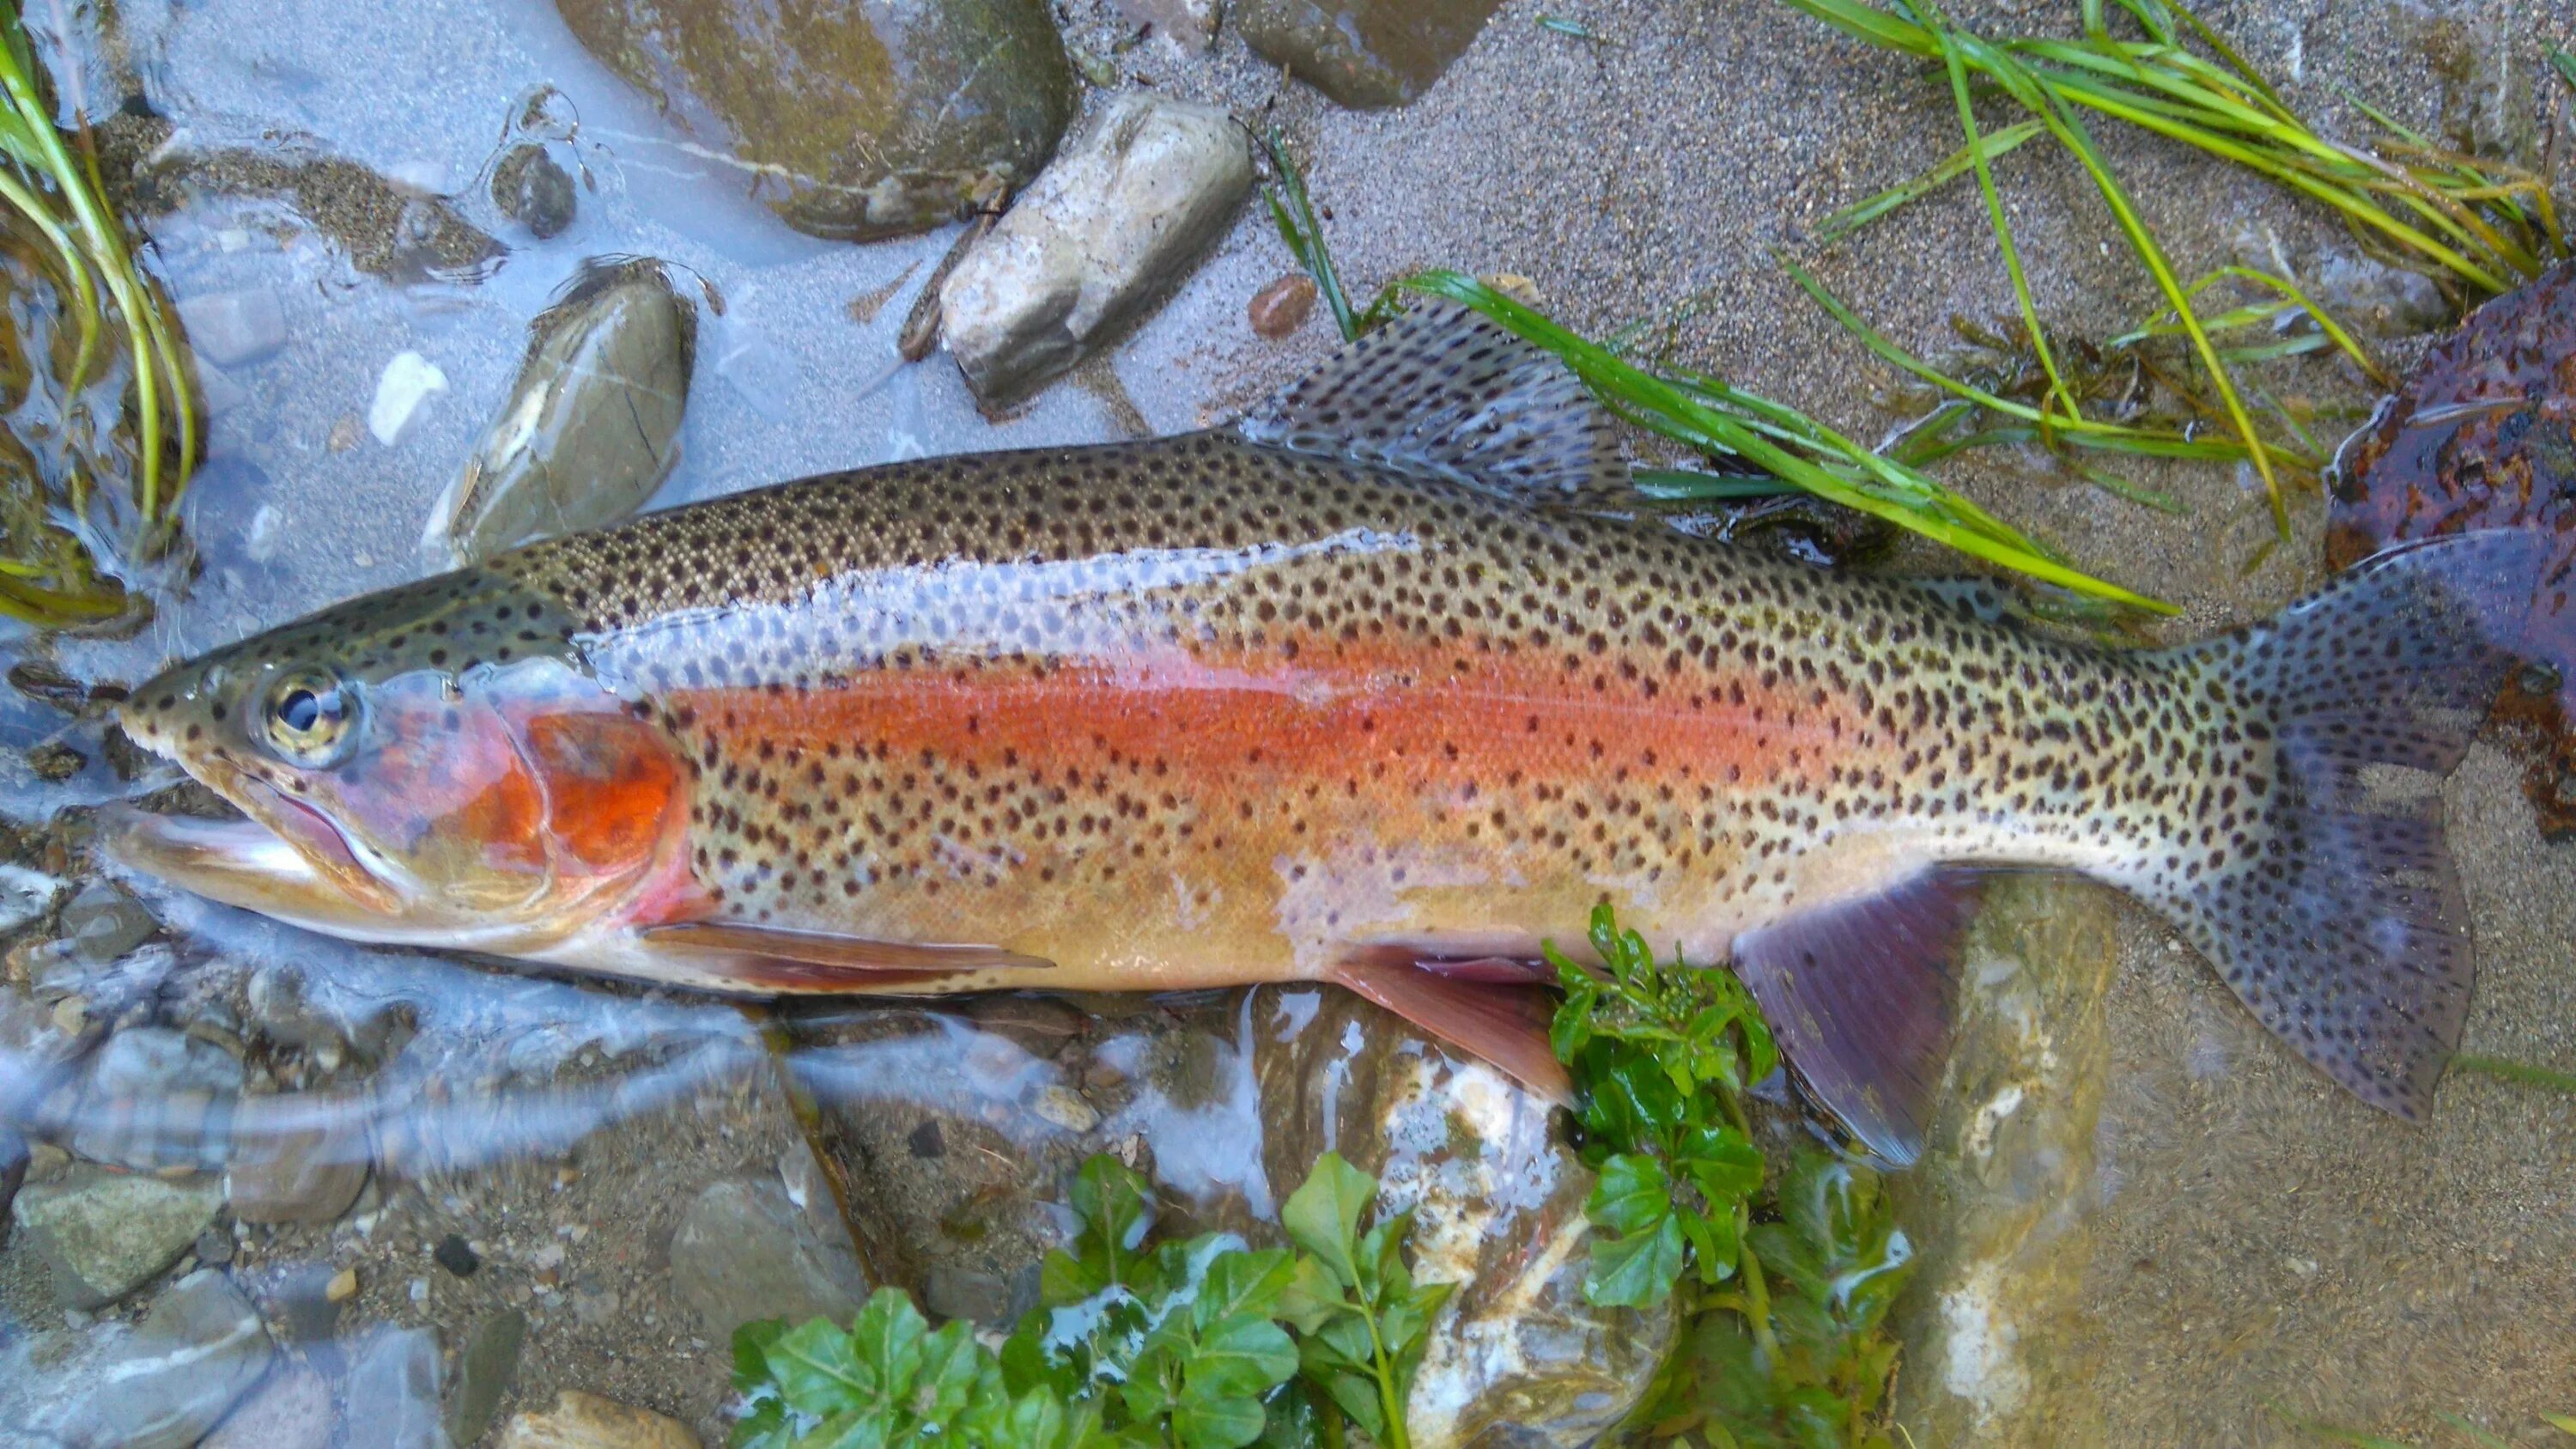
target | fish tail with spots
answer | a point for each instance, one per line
(2312, 873)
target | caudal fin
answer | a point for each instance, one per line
(2335, 912)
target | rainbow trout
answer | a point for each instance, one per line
(1367, 687)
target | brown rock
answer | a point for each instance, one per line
(294, 1161)
(1282, 307)
(576, 1420)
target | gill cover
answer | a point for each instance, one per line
(502, 807)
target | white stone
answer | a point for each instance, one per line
(407, 380)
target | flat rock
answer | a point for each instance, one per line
(393, 1389)
(292, 1410)
(1362, 53)
(576, 1420)
(105, 1234)
(234, 328)
(1106, 232)
(165, 1383)
(294, 1160)
(743, 1252)
(484, 1372)
(859, 120)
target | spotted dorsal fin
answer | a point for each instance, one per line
(1442, 392)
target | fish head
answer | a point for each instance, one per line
(433, 765)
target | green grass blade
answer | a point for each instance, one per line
(2505, 1069)
(1992, 145)
(1958, 71)
(1877, 486)
(1294, 214)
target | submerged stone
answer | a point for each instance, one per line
(744, 1252)
(106, 1234)
(166, 1383)
(861, 120)
(1999, 1208)
(1112, 226)
(1362, 53)
(2484, 436)
(591, 427)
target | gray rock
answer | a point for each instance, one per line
(591, 427)
(2377, 299)
(290, 1411)
(743, 1252)
(955, 1291)
(392, 1389)
(1190, 24)
(105, 1234)
(295, 1159)
(1363, 53)
(866, 119)
(165, 1384)
(484, 1372)
(154, 1098)
(291, 1009)
(533, 191)
(1106, 232)
(103, 923)
(152, 1059)
(234, 327)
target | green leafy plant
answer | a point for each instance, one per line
(55, 516)
(2478, 226)
(1363, 1321)
(1784, 1274)
(1183, 1344)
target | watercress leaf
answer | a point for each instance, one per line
(1245, 1281)
(1323, 1214)
(817, 1370)
(887, 1342)
(1352, 1389)
(751, 1352)
(1246, 1354)
(1063, 1278)
(951, 1362)
(1216, 1422)
(1151, 1383)
(1114, 1203)
(1785, 1254)
(856, 1429)
(1604, 933)
(1027, 1363)
(1720, 1161)
(763, 1427)
(1633, 1192)
(1036, 1418)
(1290, 1418)
(1343, 1340)
(1312, 1296)
(1636, 1270)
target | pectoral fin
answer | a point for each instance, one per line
(767, 958)
(1859, 994)
(1478, 1010)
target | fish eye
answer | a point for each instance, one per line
(308, 717)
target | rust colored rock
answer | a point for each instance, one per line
(1282, 307)
(2484, 436)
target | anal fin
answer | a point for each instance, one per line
(1498, 1018)
(1859, 993)
(774, 959)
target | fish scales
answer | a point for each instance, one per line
(1382, 684)
(1203, 707)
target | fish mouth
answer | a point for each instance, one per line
(282, 858)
